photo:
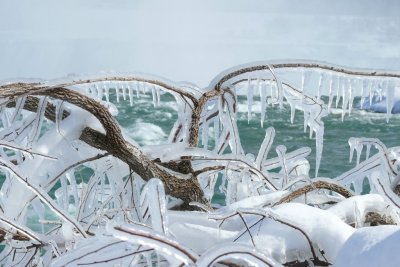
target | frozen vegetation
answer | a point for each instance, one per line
(77, 191)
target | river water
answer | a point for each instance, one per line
(151, 125)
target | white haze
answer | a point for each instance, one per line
(191, 40)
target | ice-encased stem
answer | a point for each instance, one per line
(250, 94)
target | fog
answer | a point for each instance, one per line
(191, 40)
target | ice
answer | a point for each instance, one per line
(250, 94)
(102, 208)
(281, 151)
(158, 96)
(353, 84)
(339, 88)
(240, 252)
(138, 234)
(356, 145)
(320, 84)
(117, 93)
(38, 120)
(292, 111)
(154, 96)
(364, 86)
(153, 205)
(265, 146)
(346, 91)
(204, 134)
(390, 87)
(216, 130)
(368, 151)
(124, 90)
(20, 102)
(371, 92)
(263, 99)
(319, 137)
(130, 92)
(306, 120)
(331, 85)
(137, 86)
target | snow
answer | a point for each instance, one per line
(371, 246)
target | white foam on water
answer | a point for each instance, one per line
(146, 133)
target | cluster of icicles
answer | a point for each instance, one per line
(111, 217)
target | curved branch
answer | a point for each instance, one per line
(314, 186)
(258, 66)
(113, 141)
(29, 88)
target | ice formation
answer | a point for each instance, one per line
(69, 198)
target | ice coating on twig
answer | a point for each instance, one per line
(92, 205)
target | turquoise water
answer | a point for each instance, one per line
(140, 120)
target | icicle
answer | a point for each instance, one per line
(19, 105)
(59, 115)
(263, 98)
(143, 87)
(204, 135)
(363, 88)
(330, 93)
(249, 99)
(38, 120)
(106, 91)
(271, 93)
(117, 93)
(216, 130)
(278, 84)
(281, 151)
(153, 204)
(357, 214)
(306, 118)
(124, 93)
(137, 89)
(73, 186)
(153, 94)
(339, 83)
(292, 111)
(320, 84)
(158, 94)
(351, 96)
(352, 144)
(130, 91)
(345, 95)
(359, 148)
(319, 144)
(390, 86)
(380, 85)
(265, 146)
(64, 197)
(368, 151)
(371, 88)
(257, 87)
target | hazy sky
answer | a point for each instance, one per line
(191, 40)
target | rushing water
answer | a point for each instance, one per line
(148, 125)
